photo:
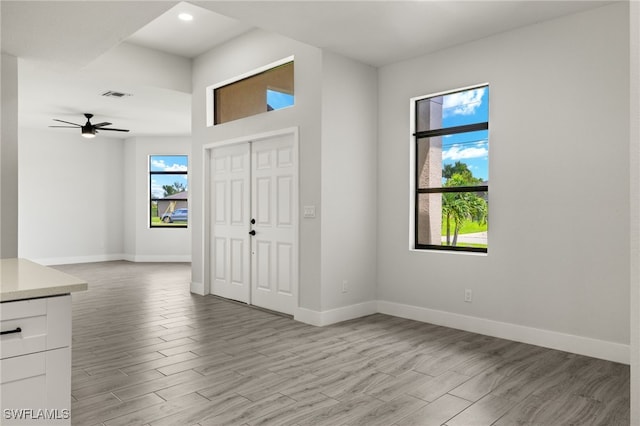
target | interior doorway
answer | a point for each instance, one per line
(253, 221)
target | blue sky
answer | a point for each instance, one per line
(279, 100)
(471, 106)
(168, 163)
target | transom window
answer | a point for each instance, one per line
(169, 190)
(451, 183)
(264, 91)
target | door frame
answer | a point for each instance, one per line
(206, 204)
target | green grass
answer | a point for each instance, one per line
(468, 227)
(467, 245)
(155, 221)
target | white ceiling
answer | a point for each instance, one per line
(387, 31)
(189, 39)
(57, 43)
(72, 32)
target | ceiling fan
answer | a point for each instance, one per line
(89, 130)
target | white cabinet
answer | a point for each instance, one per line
(35, 362)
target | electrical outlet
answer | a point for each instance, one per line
(468, 295)
(345, 284)
(309, 211)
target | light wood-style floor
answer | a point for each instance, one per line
(147, 352)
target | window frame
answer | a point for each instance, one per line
(152, 173)
(415, 170)
(210, 90)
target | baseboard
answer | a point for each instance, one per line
(78, 259)
(110, 257)
(332, 316)
(601, 349)
(151, 258)
(197, 288)
(595, 348)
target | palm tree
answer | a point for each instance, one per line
(459, 207)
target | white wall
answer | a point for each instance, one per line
(241, 55)
(349, 169)
(634, 195)
(86, 200)
(70, 204)
(144, 66)
(141, 242)
(335, 111)
(9, 157)
(557, 269)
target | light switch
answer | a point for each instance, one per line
(309, 211)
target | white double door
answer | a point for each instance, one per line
(253, 209)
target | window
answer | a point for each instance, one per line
(451, 183)
(169, 191)
(268, 90)
(278, 100)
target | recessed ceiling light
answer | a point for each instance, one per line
(185, 17)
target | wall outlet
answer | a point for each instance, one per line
(309, 211)
(345, 285)
(468, 295)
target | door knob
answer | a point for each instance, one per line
(253, 221)
(252, 232)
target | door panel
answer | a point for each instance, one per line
(263, 201)
(230, 263)
(238, 253)
(285, 201)
(274, 200)
(262, 258)
(220, 191)
(238, 194)
(284, 273)
(220, 259)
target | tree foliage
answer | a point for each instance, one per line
(457, 168)
(458, 207)
(176, 188)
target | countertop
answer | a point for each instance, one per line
(23, 279)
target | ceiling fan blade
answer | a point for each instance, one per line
(66, 127)
(102, 124)
(62, 121)
(114, 130)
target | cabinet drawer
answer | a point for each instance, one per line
(36, 382)
(44, 324)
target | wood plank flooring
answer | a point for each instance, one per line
(147, 352)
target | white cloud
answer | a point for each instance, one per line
(160, 164)
(463, 103)
(456, 153)
(156, 189)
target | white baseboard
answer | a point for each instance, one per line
(111, 257)
(159, 258)
(595, 348)
(333, 316)
(602, 349)
(197, 288)
(78, 259)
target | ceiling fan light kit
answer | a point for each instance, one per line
(89, 130)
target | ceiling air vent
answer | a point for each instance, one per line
(114, 94)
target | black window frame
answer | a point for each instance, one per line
(152, 198)
(467, 128)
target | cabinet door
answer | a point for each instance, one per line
(36, 388)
